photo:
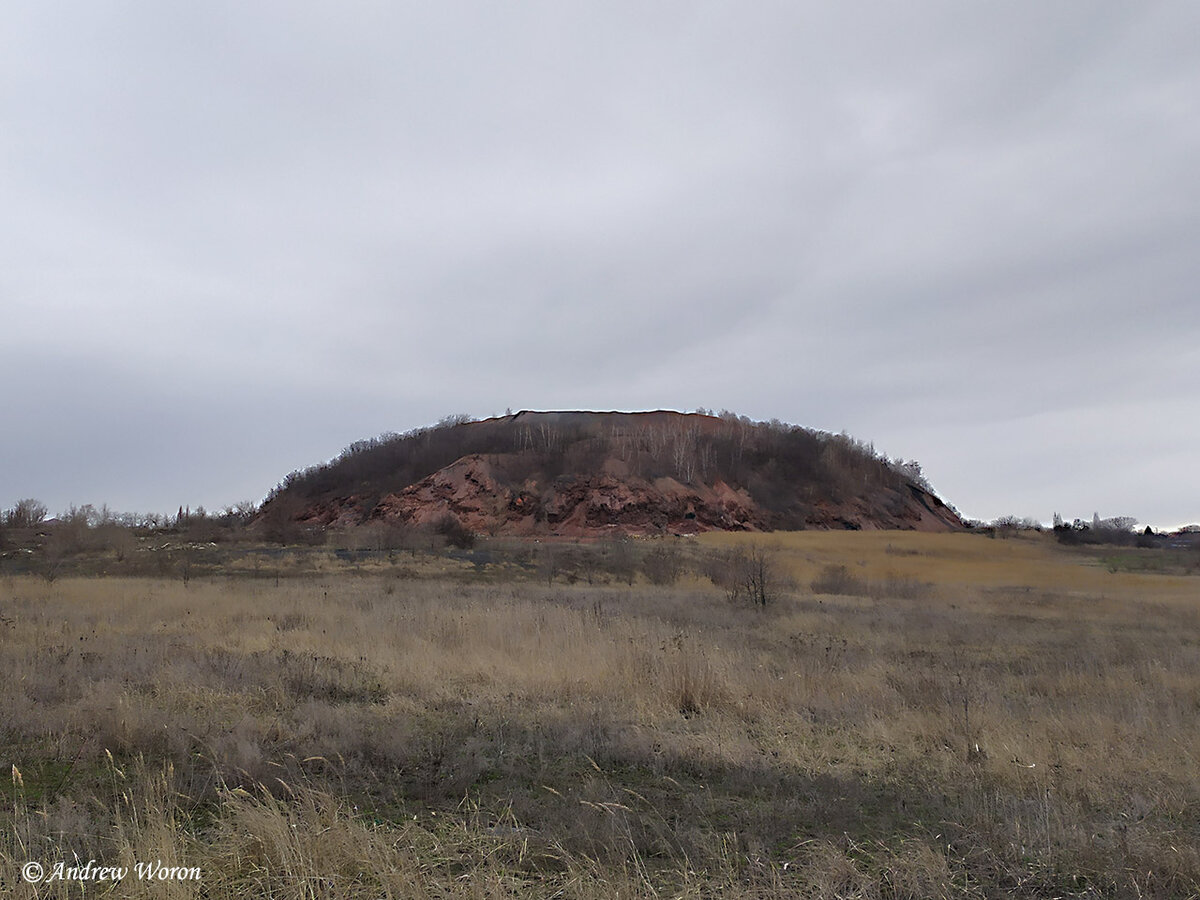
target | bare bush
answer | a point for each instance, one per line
(663, 565)
(456, 534)
(836, 579)
(747, 575)
(27, 513)
(117, 539)
(280, 524)
(619, 559)
(548, 560)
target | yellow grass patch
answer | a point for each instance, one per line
(950, 560)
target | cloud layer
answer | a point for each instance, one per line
(238, 237)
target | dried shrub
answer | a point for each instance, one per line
(456, 534)
(838, 580)
(662, 565)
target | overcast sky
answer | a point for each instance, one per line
(236, 237)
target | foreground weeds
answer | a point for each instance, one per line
(363, 736)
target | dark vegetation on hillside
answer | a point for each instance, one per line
(787, 470)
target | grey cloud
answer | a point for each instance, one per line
(930, 225)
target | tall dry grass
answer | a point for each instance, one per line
(367, 736)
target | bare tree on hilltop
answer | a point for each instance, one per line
(27, 513)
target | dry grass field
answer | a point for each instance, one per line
(913, 716)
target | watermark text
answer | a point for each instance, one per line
(36, 873)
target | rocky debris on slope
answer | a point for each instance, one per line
(569, 505)
(583, 506)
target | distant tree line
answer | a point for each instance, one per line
(1120, 530)
(29, 513)
(103, 540)
(86, 528)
